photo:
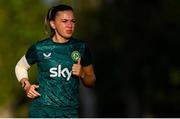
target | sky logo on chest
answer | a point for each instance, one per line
(59, 71)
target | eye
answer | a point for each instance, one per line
(74, 21)
(64, 21)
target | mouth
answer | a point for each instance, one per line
(69, 31)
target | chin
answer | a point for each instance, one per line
(68, 36)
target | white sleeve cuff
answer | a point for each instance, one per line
(21, 68)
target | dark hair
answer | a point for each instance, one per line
(51, 15)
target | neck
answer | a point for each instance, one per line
(59, 39)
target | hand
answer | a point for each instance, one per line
(77, 69)
(31, 91)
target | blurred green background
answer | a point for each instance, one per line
(135, 48)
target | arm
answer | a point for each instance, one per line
(22, 76)
(86, 74)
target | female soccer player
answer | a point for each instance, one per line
(62, 62)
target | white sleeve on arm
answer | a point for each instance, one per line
(21, 68)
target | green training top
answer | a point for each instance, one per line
(57, 85)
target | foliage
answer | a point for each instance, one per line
(135, 48)
(21, 24)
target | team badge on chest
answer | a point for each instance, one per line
(75, 55)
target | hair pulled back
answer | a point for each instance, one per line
(51, 15)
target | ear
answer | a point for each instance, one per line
(52, 24)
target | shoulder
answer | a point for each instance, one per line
(43, 42)
(40, 43)
(78, 41)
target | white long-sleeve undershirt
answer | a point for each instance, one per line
(21, 69)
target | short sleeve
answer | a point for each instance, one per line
(86, 57)
(31, 55)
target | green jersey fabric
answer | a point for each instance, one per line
(58, 87)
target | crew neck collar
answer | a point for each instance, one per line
(60, 43)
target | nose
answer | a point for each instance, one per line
(70, 24)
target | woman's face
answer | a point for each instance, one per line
(64, 24)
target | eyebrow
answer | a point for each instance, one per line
(68, 19)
